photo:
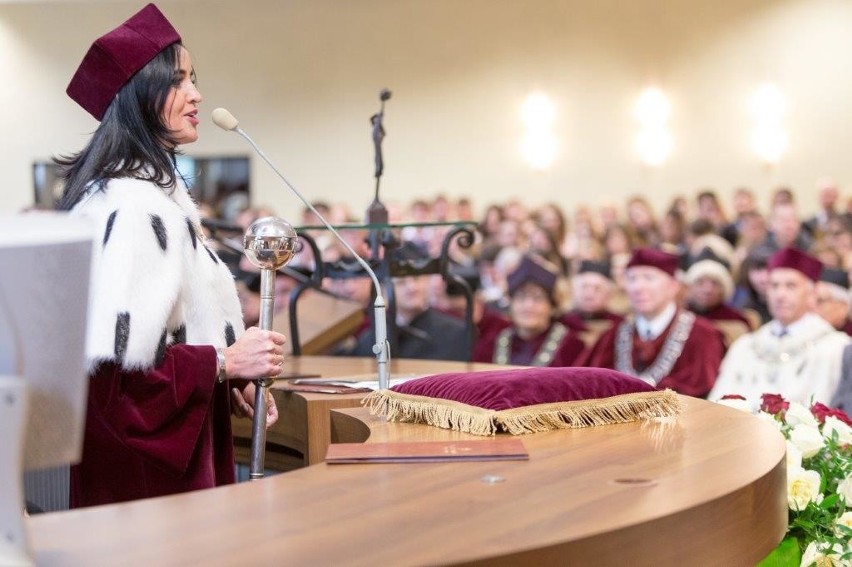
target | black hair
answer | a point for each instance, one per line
(132, 139)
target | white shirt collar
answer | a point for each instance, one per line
(655, 327)
(794, 328)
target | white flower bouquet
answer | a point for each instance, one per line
(819, 482)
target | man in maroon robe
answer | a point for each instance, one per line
(666, 346)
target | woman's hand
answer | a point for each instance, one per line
(256, 354)
(244, 404)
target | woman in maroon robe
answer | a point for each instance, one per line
(165, 333)
(536, 337)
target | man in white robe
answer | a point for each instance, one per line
(797, 354)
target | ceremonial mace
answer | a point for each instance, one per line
(269, 243)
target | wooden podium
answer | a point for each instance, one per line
(706, 488)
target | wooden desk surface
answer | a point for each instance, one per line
(706, 488)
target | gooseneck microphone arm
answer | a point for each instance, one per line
(225, 120)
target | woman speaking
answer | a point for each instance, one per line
(165, 341)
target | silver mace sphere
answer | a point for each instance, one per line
(269, 243)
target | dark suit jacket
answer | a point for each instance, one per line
(843, 396)
(432, 335)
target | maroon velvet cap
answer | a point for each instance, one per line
(796, 260)
(664, 261)
(531, 271)
(115, 57)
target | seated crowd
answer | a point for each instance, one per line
(697, 302)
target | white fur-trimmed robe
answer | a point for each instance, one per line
(154, 280)
(800, 367)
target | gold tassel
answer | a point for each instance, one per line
(457, 416)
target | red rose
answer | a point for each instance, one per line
(821, 411)
(841, 415)
(773, 403)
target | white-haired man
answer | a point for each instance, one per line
(797, 354)
(659, 342)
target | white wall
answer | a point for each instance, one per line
(303, 78)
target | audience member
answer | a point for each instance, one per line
(709, 287)
(642, 222)
(453, 301)
(785, 229)
(617, 240)
(422, 331)
(750, 295)
(710, 209)
(833, 300)
(744, 204)
(829, 195)
(797, 354)
(751, 232)
(593, 290)
(535, 337)
(489, 226)
(664, 345)
(673, 232)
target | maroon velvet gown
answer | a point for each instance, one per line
(164, 431)
(723, 312)
(522, 352)
(695, 370)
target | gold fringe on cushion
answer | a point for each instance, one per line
(445, 414)
(586, 413)
(519, 421)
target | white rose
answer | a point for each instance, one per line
(770, 418)
(797, 414)
(807, 439)
(794, 457)
(844, 489)
(736, 403)
(802, 488)
(845, 520)
(844, 432)
(822, 554)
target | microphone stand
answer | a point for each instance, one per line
(382, 348)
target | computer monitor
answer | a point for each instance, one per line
(44, 292)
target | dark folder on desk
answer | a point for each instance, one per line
(494, 449)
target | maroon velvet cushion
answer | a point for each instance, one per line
(513, 388)
(520, 401)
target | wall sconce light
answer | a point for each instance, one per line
(769, 139)
(539, 145)
(654, 141)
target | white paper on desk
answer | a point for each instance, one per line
(359, 381)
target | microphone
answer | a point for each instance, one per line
(226, 121)
(224, 226)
